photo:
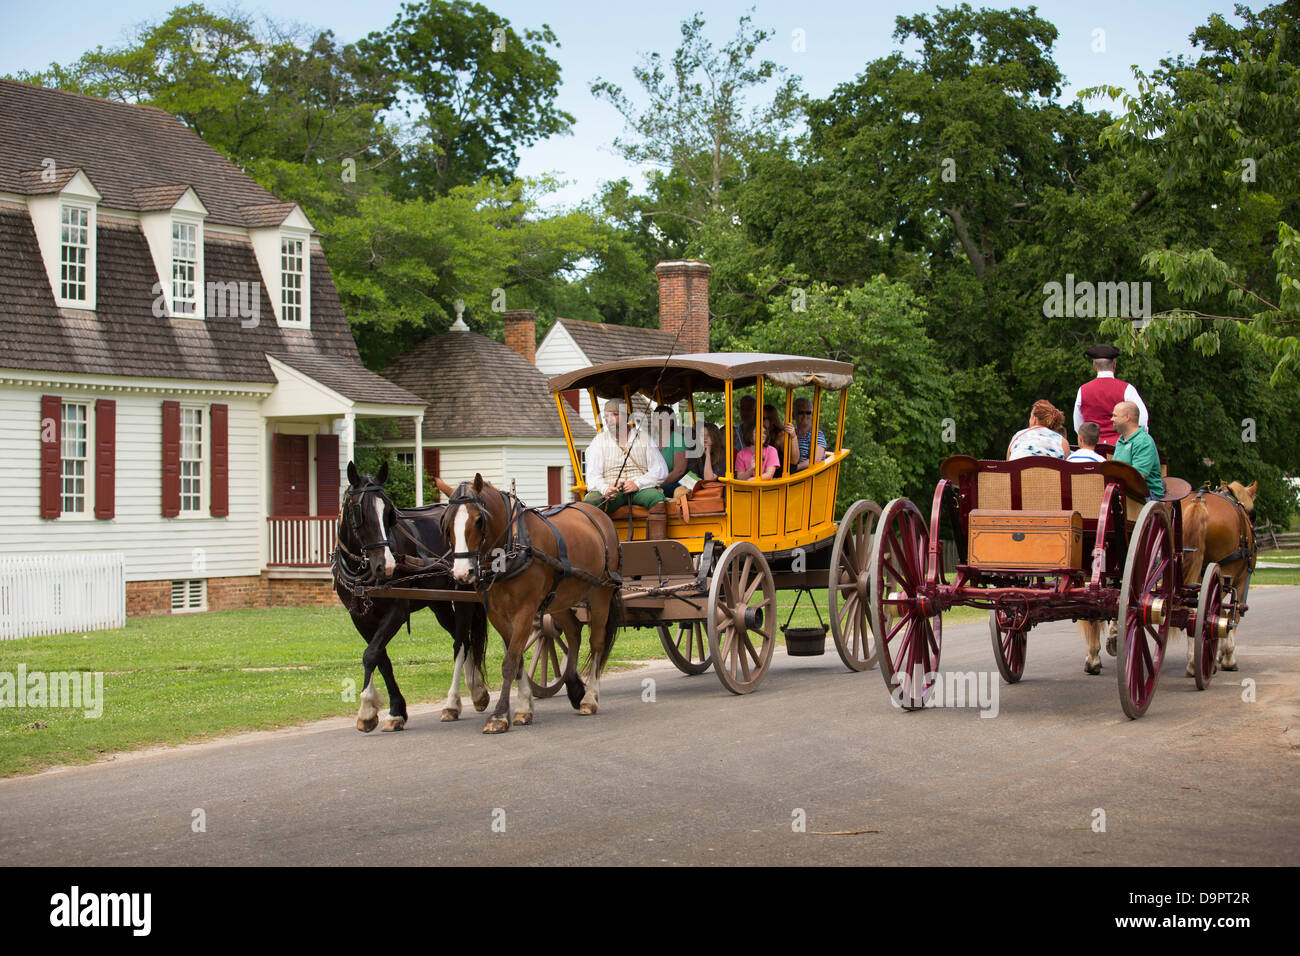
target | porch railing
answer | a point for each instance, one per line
(301, 541)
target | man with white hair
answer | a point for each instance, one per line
(625, 467)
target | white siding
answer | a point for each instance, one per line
(155, 547)
(527, 464)
(557, 354)
(459, 462)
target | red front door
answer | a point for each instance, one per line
(290, 488)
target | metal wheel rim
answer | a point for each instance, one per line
(901, 557)
(852, 641)
(1139, 672)
(544, 659)
(1205, 645)
(739, 665)
(1008, 649)
(693, 632)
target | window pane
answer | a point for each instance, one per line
(73, 459)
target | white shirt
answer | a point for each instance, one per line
(653, 456)
(1130, 395)
(1085, 454)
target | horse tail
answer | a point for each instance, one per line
(1196, 523)
(613, 621)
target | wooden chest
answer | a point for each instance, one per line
(1025, 540)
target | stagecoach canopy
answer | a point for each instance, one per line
(704, 372)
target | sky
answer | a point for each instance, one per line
(606, 39)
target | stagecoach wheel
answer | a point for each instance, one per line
(1214, 612)
(545, 657)
(908, 631)
(1008, 649)
(689, 650)
(848, 591)
(1146, 599)
(742, 607)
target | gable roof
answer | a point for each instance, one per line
(604, 342)
(478, 388)
(123, 337)
(125, 149)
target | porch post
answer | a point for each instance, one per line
(419, 459)
(347, 427)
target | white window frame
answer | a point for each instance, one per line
(87, 248)
(88, 477)
(204, 461)
(303, 276)
(183, 220)
(405, 458)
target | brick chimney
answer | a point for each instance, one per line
(684, 299)
(521, 332)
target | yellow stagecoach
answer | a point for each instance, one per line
(709, 581)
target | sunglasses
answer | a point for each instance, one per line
(803, 414)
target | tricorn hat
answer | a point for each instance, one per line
(1102, 352)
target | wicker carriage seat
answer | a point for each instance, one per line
(1044, 484)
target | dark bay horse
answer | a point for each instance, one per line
(526, 561)
(378, 544)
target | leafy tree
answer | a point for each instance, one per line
(482, 90)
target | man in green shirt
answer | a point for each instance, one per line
(1137, 448)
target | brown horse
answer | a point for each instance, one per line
(1228, 517)
(525, 561)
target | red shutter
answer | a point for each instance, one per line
(432, 468)
(171, 459)
(554, 483)
(573, 397)
(50, 429)
(327, 474)
(220, 496)
(105, 457)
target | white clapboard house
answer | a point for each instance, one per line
(489, 412)
(178, 383)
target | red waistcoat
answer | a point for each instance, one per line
(1099, 398)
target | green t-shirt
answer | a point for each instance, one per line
(1139, 450)
(670, 452)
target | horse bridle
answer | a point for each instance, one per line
(464, 498)
(353, 502)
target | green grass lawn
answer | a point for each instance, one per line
(186, 678)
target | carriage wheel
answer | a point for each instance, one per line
(545, 657)
(689, 652)
(742, 606)
(848, 591)
(909, 636)
(1008, 649)
(1214, 615)
(1146, 600)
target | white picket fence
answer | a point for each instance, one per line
(57, 594)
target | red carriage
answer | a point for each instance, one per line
(1038, 540)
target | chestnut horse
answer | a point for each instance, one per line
(526, 561)
(1229, 519)
(373, 537)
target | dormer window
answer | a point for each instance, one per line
(292, 281)
(185, 268)
(74, 253)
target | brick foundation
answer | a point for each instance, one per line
(147, 598)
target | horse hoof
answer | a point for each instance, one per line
(481, 704)
(496, 725)
(1229, 667)
(393, 724)
(1093, 669)
(522, 720)
(449, 714)
(1111, 649)
(587, 709)
(1191, 671)
(367, 724)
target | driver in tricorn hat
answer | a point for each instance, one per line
(1096, 400)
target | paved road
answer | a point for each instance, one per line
(699, 776)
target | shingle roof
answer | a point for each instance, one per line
(121, 147)
(351, 379)
(123, 337)
(478, 388)
(603, 342)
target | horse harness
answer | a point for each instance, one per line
(519, 550)
(1247, 546)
